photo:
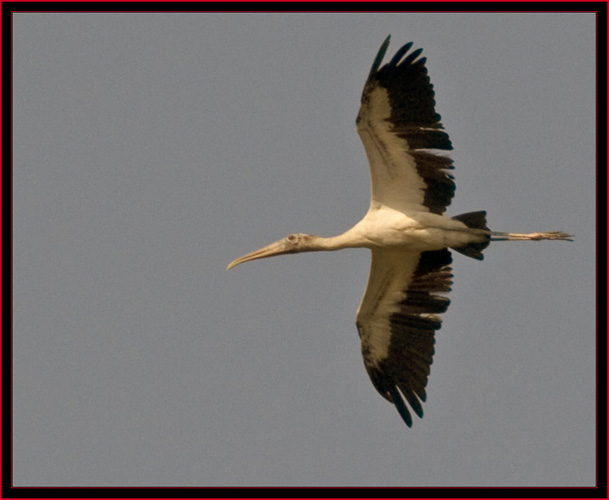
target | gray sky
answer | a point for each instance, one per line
(152, 149)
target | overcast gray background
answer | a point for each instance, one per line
(152, 149)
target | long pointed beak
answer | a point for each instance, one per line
(276, 248)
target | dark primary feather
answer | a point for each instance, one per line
(399, 54)
(403, 373)
(379, 56)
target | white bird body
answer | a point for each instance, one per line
(386, 227)
(410, 238)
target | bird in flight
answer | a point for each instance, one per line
(405, 228)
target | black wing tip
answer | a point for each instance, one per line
(398, 55)
(379, 57)
(398, 401)
(395, 60)
(410, 59)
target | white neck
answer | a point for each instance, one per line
(349, 239)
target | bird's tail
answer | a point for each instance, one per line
(475, 220)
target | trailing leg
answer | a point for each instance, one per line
(552, 235)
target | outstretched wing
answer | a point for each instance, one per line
(402, 134)
(397, 320)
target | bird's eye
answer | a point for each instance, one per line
(292, 238)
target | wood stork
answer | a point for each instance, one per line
(404, 228)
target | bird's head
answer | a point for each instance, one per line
(293, 243)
